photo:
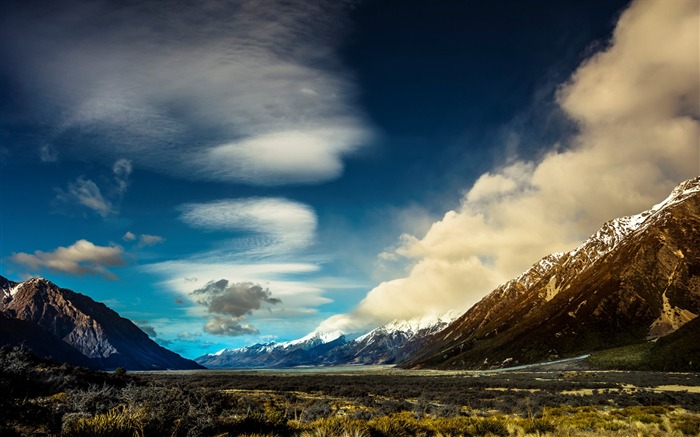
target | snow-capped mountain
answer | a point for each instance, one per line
(384, 345)
(307, 351)
(637, 278)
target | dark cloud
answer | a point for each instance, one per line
(229, 326)
(230, 303)
(237, 300)
(145, 327)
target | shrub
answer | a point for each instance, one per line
(688, 425)
(490, 426)
(537, 426)
(396, 425)
(315, 411)
(115, 423)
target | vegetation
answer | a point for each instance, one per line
(46, 399)
(679, 351)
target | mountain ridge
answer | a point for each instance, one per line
(387, 344)
(636, 278)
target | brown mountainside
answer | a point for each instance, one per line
(637, 278)
(94, 330)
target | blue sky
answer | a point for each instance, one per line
(225, 173)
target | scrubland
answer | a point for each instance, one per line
(39, 398)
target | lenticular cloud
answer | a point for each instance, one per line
(216, 90)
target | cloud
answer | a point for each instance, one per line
(635, 104)
(230, 91)
(150, 240)
(145, 327)
(236, 300)
(81, 258)
(228, 326)
(230, 303)
(144, 240)
(86, 193)
(278, 225)
(122, 170)
(47, 153)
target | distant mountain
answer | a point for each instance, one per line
(384, 345)
(391, 343)
(636, 279)
(53, 321)
(310, 350)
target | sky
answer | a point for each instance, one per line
(225, 173)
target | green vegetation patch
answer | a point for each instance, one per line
(634, 357)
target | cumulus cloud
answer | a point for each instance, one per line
(129, 236)
(236, 299)
(278, 225)
(84, 192)
(234, 91)
(80, 258)
(230, 302)
(635, 103)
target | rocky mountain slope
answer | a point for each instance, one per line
(51, 321)
(637, 278)
(387, 344)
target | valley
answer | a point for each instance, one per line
(359, 401)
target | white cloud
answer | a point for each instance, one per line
(204, 90)
(636, 106)
(81, 258)
(279, 226)
(86, 193)
(129, 236)
(150, 240)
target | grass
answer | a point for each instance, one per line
(634, 357)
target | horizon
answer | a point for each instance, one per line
(236, 174)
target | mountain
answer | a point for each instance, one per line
(310, 350)
(16, 332)
(392, 343)
(636, 279)
(387, 344)
(51, 321)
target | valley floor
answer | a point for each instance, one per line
(354, 402)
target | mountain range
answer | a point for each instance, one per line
(71, 327)
(388, 344)
(637, 279)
